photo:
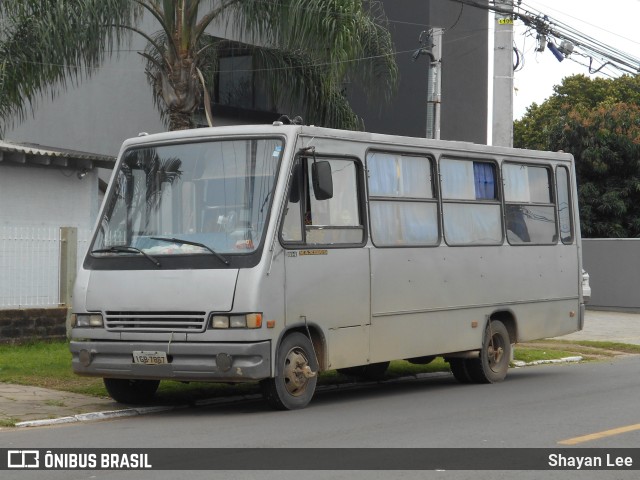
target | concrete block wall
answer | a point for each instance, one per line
(32, 324)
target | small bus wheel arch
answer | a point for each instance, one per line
(296, 376)
(317, 340)
(508, 319)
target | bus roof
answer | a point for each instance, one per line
(291, 131)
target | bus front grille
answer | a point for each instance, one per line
(190, 322)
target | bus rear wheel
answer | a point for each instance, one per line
(131, 391)
(459, 369)
(296, 374)
(493, 363)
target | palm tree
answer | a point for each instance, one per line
(304, 50)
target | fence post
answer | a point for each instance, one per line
(68, 268)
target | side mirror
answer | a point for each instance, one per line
(322, 180)
(294, 188)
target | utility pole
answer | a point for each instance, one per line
(503, 75)
(434, 84)
(431, 46)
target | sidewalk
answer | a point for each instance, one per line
(609, 327)
(24, 403)
(19, 403)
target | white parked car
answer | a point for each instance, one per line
(586, 288)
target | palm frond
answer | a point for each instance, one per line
(349, 37)
(305, 50)
(294, 77)
(47, 44)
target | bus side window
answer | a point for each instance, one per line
(403, 207)
(564, 205)
(470, 204)
(335, 220)
(326, 221)
(530, 212)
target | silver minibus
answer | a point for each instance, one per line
(271, 253)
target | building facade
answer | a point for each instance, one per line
(115, 102)
(464, 70)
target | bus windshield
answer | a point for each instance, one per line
(192, 198)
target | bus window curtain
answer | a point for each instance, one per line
(485, 181)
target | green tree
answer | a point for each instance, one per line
(598, 121)
(304, 50)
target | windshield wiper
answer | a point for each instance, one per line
(195, 244)
(265, 202)
(127, 249)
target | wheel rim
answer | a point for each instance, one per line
(496, 352)
(296, 364)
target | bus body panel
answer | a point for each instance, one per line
(445, 278)
(166, 290)
(330, 287)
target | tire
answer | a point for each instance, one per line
(293, 387)
(493, 364)
(459, 369)
(131, 391)
(373, 371)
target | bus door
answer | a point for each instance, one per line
(327, 277)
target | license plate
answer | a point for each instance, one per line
(149, 358)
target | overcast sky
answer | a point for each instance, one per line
(613, 22)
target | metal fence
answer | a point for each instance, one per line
(30, 265)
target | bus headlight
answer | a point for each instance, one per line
(238, 321)
(87, 320)
(249, 320)
(219, 321)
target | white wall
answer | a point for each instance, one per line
(34, 203)
(47, 196)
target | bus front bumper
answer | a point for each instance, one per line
(186, 361)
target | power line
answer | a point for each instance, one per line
(319, 64)
(588, 23)
(568, 39)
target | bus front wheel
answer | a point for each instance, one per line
(296, 374)
(131, 391)
(493, 363)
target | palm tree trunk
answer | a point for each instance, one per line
(179, 120)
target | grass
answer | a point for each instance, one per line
(606, 346)
(8, 422)
(48, 365)
(533, 355)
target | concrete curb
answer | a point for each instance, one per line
(86, 417)
(519, 363)
(132, 412)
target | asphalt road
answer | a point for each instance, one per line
(535, 407)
